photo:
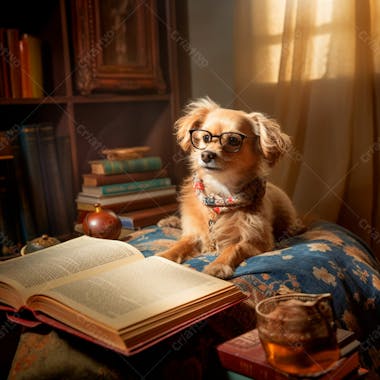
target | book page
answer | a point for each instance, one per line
(63, 260)
(123, 296)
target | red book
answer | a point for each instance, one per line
(245, 355)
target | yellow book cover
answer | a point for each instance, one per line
(31, 67)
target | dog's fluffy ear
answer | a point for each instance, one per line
(195, 113)
(273, 142)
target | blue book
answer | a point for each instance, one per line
(46, 180)
(128, 187)
(34, 178)
(142, 164)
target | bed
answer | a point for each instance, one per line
(325, 259)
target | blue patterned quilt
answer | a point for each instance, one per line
(325, 259)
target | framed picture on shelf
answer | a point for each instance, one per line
(116, 46)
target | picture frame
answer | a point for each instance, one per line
(116, 46)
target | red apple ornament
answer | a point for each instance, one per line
(102, 223)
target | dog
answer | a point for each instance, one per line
(226, 204)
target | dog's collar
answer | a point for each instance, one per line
(250, 194)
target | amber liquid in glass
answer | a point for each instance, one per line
(302, 358)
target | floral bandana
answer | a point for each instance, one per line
(252, 193)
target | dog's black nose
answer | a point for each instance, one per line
(207, 156)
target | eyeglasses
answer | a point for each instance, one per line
(231, 142)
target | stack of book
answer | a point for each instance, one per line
(243, 357)
(138, 190)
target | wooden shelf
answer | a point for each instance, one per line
(118, 98)
(47, 100)
(77, 99)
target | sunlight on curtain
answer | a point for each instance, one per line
(312, 65)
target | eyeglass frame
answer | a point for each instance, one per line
(242, 135)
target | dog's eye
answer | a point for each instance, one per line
(234, 141)
(231, 141)
(206, 138)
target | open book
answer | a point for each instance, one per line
(107, 292)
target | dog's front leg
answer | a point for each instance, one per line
(230, 257)
(185, 247)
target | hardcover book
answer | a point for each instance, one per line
(142, 164)
(147, 217)
(47, 179)
(31, 67)
(128, 187)
(54, 180)
(4, 66)
(91, 179)
(129, 198)
(125, 207)
(107, 292)
(30, 152)
(246, 356)
(13, 60)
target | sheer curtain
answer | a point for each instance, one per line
(314, 66)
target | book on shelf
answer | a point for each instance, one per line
(90, 179)
(146, 217)
(46, 179)
(31, 66)
(107, 292)
(245, 355)
(128, 187)
(54, 180)
(30, 155)
(133, 165)
(4, 66)
(12, 57)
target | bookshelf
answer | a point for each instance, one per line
(107, 118)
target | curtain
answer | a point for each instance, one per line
(314, 66)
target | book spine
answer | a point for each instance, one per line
(101, 179)
(247, 368)
(84, 208)
(4, 67)
(28, 225)
(133, 165)
(31, 158)
(146, 217)
(26, 87)
(65, 168)
(31, 67)
(59, 220)
(130, 187)
(13, 59)
(36, 67)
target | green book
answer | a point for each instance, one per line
(126, 166)
(128, 187)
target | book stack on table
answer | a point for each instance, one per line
(138, 189)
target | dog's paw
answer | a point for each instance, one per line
(170, 256)
(219, 270)
(170, 221)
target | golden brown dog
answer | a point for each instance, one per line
(226, 204)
